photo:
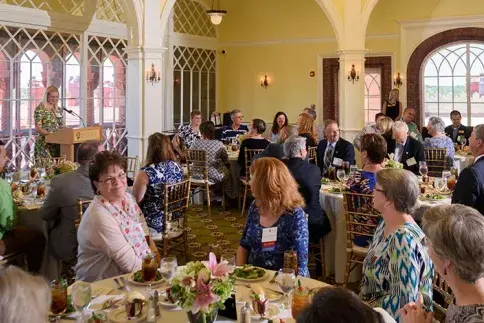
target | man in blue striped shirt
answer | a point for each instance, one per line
(236, 128)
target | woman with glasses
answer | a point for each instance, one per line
(112, 234)
(397, 266)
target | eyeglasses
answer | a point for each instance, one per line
(379, 190)
(111, 180)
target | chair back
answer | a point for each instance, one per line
(436, 159)
(176, 201)
(131, 166)
(313, 158)
(197, 163)
(82, 205)
(441, 288)
(361, 218)
(249, 154)
(49, 161)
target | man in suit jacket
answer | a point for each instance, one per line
(406, 149)
(457, 129)
(333, 150)
(60, 205)
(469, 189)
(308, 178)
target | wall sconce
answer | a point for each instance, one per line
(353, 76)
(398, 81)
(153, 75)
(265, 82)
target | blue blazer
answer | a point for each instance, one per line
(343, 150)
(469, 189)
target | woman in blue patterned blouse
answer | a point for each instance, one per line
(397, 266)
(148, 188)
(277, 206)
(436, 128)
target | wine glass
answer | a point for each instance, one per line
(439, 183)
(463, 141)
(353, 169)
(168, 267)
(286, 279)
(229, 258)
(340, 174)
(81, 297)
(446, 174)
(423, 169)
(58, 305)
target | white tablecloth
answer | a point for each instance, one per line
(179, 316)
(462, 162)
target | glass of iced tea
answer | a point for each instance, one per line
(332, 173)
(290, 260)
(149, 269)
(300, 299)
(58, 305)
(451, 182)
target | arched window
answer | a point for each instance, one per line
(453, 79)
(372, 93)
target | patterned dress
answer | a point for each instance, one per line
(465, 314)
(442, 142)
(188, 135)
(396, 269)
(217, 157)
(49, 122)
(168, 172)
(292, 234)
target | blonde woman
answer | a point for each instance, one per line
(20, 290)
(384, 127)
(48, 119)
(306, 129)
(278, 206)
(392, 107)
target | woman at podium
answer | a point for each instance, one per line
(48, 119)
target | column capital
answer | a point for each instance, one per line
(351, 52)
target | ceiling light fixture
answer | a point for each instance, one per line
(216, 14)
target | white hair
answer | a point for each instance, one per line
(293, 146)
(479, 131)
(233, 113)
(400, 126)
(437, 123)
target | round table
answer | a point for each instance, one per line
(179, 316)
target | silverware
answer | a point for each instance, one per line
(125, 284)
(273, 280)
(263, 287)
(118, 284)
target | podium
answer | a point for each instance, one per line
(68, 137)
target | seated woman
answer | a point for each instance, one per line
(277, 206)
(188, 133)
(397, 266)
(436, 129)
(280, 121)
(112, 232)
(306, 129)
(255, 141)
(373, 151)
(337, 304)
(384, 127)
(25, 298)
(148, 189)
(216, 155)
(455, 244)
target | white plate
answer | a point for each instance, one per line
(272, 311)
(119, 316)
(164, 301)
(253, 280)
(153, 283)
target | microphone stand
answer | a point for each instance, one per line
(75, 114)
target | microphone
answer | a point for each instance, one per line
(75, 114)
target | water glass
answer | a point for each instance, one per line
(423, 169)
(340, 174)
(81, 298)
(33, 193)
(229, 258)
(286, 279)
(439, 183)
(446, 174)
(9, 178)
(353, 169)
(168, 267)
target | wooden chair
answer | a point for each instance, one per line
(198, 174)
(82, 205)
(313, 157)
(131, 166)
(442, 291)
(316, 251)
(249, 154)
(15, 258)
(361, 220)
(176, 200)
(49, 161)
(436, 159)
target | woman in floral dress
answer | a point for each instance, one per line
(48, 119)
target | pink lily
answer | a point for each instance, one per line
(217, 270)
(204, 297)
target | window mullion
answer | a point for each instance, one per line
(468, 84)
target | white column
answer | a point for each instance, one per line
(351, 95)
(85, 68)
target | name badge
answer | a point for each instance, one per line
(337, 161)
(269, 238)
(411, 162)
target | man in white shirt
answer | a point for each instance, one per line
(469, 189)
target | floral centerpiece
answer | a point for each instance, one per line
(202, 287)
(61, 168)
(391, 162)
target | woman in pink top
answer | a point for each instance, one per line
(113, 233)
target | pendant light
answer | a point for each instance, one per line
(216, 14)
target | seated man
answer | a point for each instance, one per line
(60, 205)
(276, 150)
(406, 149)
(308, 178)
(334, 150)
(369, 128)
(236, 128)
(457, 129)
(15, 239)
(469, 189)
(409, 118)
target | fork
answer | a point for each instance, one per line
(125, 285)
(118, 284)
(273, 280)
